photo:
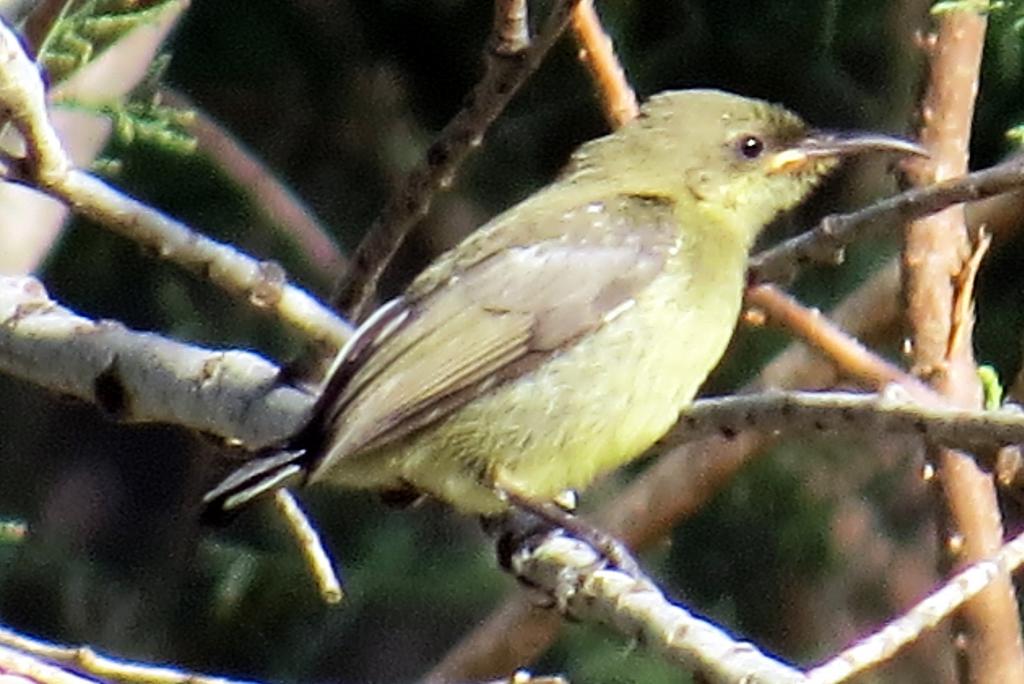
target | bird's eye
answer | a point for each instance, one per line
(750, 146)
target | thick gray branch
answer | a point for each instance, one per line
(141, 377)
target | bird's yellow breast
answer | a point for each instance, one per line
(599, 403)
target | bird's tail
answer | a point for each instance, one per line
(252, 480)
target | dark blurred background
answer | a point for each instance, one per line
(340, 98)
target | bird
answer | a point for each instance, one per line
(564, 337)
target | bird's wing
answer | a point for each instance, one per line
(492, 318)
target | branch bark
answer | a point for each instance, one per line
(510, 61)
(141, 377)
(936, 255)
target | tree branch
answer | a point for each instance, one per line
(598, 55)
(141, 377)
(936, 258)
(927, 614)
(827, 241)
(509, 62)
(33, 658)
(571, 575)
(850, 357)
(47, 168)
(893, 412)
(317, 560)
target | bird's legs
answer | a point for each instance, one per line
(608, 546)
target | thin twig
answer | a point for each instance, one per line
(888, 641)
(850, 357)
(261, 284)
(317, 559)
(597, 54)
(962, 321)
(826, 242)
(893, 412)
(25, 653)
(505, 74)
(23, 103)
(873, 309)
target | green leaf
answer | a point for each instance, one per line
(991, 388)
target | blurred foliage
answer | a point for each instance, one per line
(340, 97)
(83, 29)
(143, 118)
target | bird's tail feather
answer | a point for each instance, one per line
(254, 479)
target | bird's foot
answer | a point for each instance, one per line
(614, 551)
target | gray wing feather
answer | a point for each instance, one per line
(496, 317)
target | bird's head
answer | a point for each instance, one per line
(739, 159)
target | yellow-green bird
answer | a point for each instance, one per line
(564, 337)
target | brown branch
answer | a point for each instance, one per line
(874, 310)
(849, 356)
(875, 307)
(936, 251)
(598, 55)
(511, 27)
(506, 73)
(963, 302)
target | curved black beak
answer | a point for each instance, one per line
(834, 144)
